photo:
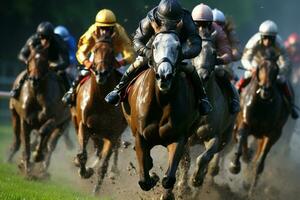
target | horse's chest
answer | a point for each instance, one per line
(262, 116)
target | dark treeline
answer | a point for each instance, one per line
(19, 18)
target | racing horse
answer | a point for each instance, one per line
(214, 131)
(263, 115)
(96, 119)
(161, 110)
(38, 108)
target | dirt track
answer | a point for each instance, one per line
(280, 180)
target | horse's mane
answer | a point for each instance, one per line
(229, 25)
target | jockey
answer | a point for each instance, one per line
(70, 41)
(105, 25)
(58, 53)
(292, 45)
(229, 29)
(203, 18)
(168, 15)
(258, 46)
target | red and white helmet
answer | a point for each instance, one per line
(202, 12)
(293, 38)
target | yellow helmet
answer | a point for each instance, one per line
(105, 17)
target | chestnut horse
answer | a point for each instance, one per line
(263, 115)
(38, 108)
(161, 110)
(96, 119)
(214, 130)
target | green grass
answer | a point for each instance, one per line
(13, 186)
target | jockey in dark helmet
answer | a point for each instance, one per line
(168, 15)
(58, 53)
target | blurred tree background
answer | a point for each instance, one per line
(19, 18)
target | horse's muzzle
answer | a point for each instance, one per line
(164, 82)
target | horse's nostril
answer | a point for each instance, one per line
(157, 76)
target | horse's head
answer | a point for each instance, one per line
(205, 61)
(166, 47)
(38, 65)
(104, 60)
(266, 75)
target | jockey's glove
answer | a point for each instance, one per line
(219, 61)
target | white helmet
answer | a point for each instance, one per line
(268, 28)
(202, 12)
(218, 16)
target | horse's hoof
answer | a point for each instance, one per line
(167, 196)
(76, 162)
(235, 169)
(196, 182)
(38, 157)
(86, 173)
(214, 171)
(146, 186)
(248, 157)
(96, 190)
(168, 182)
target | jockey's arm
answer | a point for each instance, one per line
(142, 35)
(224, 53)
(85, 45)
(25, 51)
(63, 59)
(283, 60)
(193, 44)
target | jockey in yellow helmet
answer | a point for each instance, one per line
(105, 25)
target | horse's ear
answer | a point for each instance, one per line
(179, 26)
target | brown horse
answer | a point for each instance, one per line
(263, 115)
(161, 110)
(215, 129)
(38, 108)
(94, 118)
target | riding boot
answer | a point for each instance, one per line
(204, 105)
(15, 92)
(242, 83)
(286, 89)
(69, 97)
(234, 103)
(114, 96)
(133, 70)
(65, 79)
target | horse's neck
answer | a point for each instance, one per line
(211, 85)
(102, 89)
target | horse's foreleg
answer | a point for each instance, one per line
(106, 154)
(114, 167)
(235, 164)
(175, 151)
(203, 160)
(183, 171)
(45, 132)
(25, 139)
(81, 158)
(55, 135)
(68, 142)
(266, 145)
(17, 140)
(214, 165)
(145, 163)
